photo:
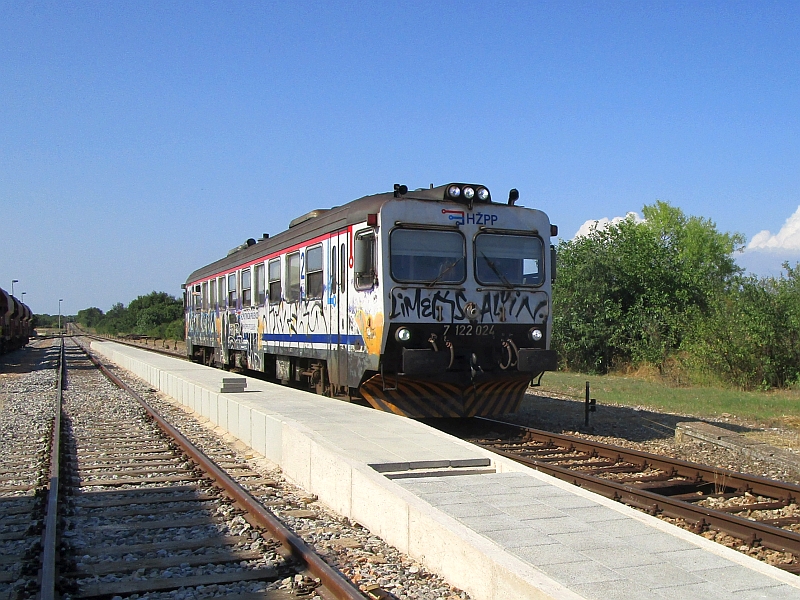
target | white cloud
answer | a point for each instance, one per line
(603, 223)
(788, 238)
(767, 263)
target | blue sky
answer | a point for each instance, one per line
(139, 141)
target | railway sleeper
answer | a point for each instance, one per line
(673, 488)
(754, 506)
(119, 588)
(182, 544)
(221, 557)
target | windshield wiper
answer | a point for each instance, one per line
(445, 271)
(497, 272)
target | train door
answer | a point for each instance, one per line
(340, 316)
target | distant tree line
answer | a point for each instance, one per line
(157, 315)
(666, 293)
(49, 321)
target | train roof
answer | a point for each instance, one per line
(321, 221)
(308, 227)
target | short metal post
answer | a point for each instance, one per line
(589, 406)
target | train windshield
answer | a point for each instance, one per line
(508, 260)
(427, 256)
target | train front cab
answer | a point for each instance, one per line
(467, 291)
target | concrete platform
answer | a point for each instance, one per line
(490, 526)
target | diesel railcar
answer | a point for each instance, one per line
(434, 302)
(16, 323)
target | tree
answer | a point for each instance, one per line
(628, 293)
(90, 317)
(751, 337)
(157, 315)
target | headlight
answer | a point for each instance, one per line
(483, 194)
(454, 191)
(403, 334)
(469, 193)
(535, 334)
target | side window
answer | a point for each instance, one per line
(342, 268)
(196, 297)
(212, 296)
(232, 290)
(205, 295)
(246, 287)
(334, 269)
(314, 272)
(221, 295)
(275, 281)
(293, 277)
(364, 260)
(260, 284)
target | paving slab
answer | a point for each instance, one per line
(499, 531)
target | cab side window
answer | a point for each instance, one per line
(364, 260)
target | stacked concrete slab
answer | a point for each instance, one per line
(490, 526)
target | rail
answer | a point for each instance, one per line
(47, 583)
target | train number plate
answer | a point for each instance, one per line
(467, 329)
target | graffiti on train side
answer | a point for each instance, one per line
(297, 317)
(203, 328)
(450, 305)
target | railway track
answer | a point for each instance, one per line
(756, 510)
(28, 399)
(142, 511)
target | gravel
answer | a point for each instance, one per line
(649, 431)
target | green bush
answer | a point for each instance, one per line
(156, 315)
(630, 293)
(751, 338)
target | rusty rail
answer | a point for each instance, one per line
(47, 580)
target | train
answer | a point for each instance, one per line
(428, 303)
(16, 323)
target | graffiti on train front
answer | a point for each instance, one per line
(453, 305)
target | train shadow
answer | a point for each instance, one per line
(29, 359)
(567, 416)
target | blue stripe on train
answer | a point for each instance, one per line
(312, 338)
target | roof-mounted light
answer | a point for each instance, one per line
(454, 191)
(467, 193)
